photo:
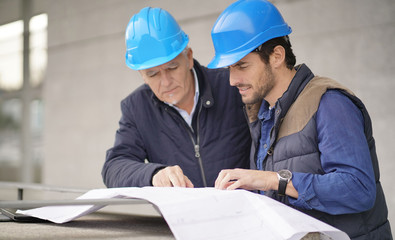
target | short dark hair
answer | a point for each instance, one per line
(267, 47)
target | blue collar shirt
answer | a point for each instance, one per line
(266, 117)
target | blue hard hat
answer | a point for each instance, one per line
(153, 37)
(242, 27)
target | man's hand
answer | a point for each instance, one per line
(247, 179)
(252, 180)
(171, 177)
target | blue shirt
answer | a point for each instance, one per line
(266, 116)
(348, 185)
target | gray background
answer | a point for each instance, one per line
(351, 41)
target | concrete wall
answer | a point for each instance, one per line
(351, 41)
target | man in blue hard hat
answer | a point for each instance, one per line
(184, 124)
(312, 147)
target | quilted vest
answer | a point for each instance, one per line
(294, 146)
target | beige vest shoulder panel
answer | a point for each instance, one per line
(306, 105)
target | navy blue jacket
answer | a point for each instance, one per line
(149, 129)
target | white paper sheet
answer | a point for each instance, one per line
(207, 213)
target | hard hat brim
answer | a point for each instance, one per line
(225, 60)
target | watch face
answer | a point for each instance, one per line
(285, 174)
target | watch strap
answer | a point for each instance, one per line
(282, 186)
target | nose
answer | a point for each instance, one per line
(233, 79)
(165, 79)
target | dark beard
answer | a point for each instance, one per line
(263, 89)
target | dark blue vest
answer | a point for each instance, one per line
(297, 134)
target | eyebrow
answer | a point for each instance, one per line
(172, 64)
(151, 72)
(169, 65)
(238, 64)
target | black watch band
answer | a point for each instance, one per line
(282, 186)
(284, 176)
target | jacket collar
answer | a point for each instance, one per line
(206, 95)
(302, 77)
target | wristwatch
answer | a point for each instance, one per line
(284, 176)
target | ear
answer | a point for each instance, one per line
(277, 58)
(190, 58)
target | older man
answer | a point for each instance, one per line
(185, 124)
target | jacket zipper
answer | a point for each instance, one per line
(197, 148)
(196, 145)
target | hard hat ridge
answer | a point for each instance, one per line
(153, 37)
